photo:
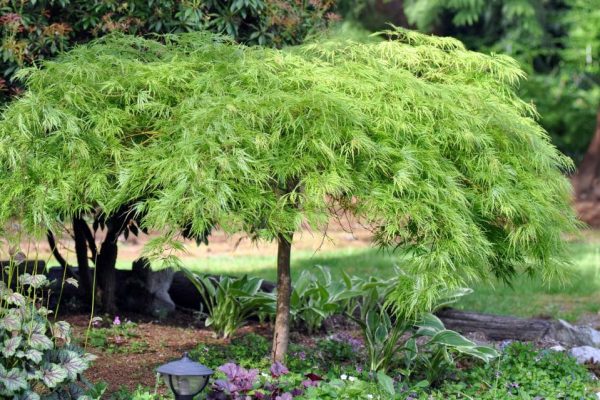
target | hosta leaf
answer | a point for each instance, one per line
(451, 338)
(35, 281)
(72, 363)
(62, 330)
(72, 281)
(13, 380)
(11, 322)
(482, 352)
(16, 299)
(53, 374)
(11, 345)
(40, 342)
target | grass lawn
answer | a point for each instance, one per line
(527, 297)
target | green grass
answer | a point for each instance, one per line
(528, 297)
(360, 262)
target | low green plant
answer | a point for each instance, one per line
(316, 296)
(383, 328)
(118, 337)
(230, 301)
(250, 350)
(522, 372)
(38, 359)
(337, 350)
(140, 393)
(345, 387)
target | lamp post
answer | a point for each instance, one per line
(185, 378)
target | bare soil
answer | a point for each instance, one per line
(164, 341)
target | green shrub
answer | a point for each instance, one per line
(315, 296)
(228, 302)
(38, 359)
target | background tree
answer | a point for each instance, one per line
(583, 55)
(421, 140)
(535, 32)
(36, 30)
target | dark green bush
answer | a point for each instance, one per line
(35, 30)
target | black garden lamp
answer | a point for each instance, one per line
(185, 377)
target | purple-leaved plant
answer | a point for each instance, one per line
(239, 380)
(278, 369)
(345, 337)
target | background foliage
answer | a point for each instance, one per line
(555, 41)
(33, 30)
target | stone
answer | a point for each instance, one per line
(158, 284)
(569, 335)
(558, 348)
(584, 354)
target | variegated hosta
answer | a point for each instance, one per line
(38, 360)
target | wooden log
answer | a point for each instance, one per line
(497, 327)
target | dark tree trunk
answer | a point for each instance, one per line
(81, 251)
(284, 290)
(106, 265)
(588, 175)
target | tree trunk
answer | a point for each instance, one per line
(81, 250)
(106, 265)
(588, 174)
(284, 289)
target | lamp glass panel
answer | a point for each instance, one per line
(185, 385)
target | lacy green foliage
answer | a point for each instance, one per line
(37, 360)
(230, 302)
(36, 30)
(567, 102)
(424, 141)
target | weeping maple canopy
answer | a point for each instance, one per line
(425, 142)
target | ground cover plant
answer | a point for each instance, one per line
(38, 358)
(521, 372)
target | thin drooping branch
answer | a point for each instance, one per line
(54, 249)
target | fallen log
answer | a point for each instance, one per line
(496, 327)
(499, 327)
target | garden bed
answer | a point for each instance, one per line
(129, 362)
